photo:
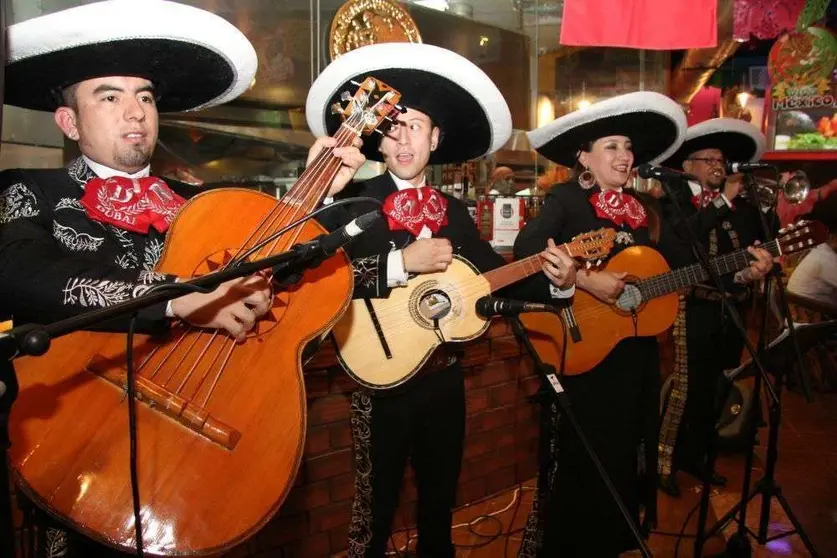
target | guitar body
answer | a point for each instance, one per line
(404, 320)
(220, 447)
(603, 326)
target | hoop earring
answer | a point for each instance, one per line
(586, 179)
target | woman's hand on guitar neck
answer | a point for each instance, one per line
(234, 306)
(604, 285)
(427, 255)
(559, 268)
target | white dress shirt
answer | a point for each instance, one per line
(816, 275)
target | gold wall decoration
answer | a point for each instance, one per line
(364, 22)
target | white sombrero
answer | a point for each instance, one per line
(472, 115)
(654, 123)
(739, 141)
(195, 58)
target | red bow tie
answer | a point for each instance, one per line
(133, 204)
(619, 208)
(705, 197)
(414, 208)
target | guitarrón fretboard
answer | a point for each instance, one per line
(666, 283)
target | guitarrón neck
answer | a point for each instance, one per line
(310, 189)
(671, 281)
(513, 272)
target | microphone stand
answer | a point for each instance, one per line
(735, 318)
(739, 543)
(34, 340)
(559, 397)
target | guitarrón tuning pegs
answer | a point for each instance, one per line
(345, 96)
(336, 108)
(400, 108)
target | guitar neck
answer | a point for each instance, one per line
(515, 271)
(310, 189)
(671, 281)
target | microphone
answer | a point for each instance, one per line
(489, 306)
(329, 244)
(735, 168)
(647, 170)
(313, 252)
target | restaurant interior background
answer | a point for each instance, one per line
(261, 139)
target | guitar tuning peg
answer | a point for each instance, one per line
(336, 109)
(588, 265)
(356, 83)
(400, 108)
(345, 96)
(378, 131)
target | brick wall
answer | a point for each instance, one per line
(500, 448)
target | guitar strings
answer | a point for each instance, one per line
(281, 211)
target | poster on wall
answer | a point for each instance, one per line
(507, 220)
(803, 92)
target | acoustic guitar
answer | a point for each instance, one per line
(383, 342)
(220, 424)
(648, 305)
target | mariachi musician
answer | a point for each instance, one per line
(454, 113)
(704, 338)
(89, 235)
(616, 402)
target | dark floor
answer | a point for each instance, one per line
(806, 473)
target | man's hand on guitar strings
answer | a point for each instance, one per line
(351, 160)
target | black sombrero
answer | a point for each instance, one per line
(196, 59)
(739, 141)
(472, 115)
(654, 123)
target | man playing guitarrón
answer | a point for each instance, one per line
(89, 235)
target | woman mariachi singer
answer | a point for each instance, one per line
(616, 403)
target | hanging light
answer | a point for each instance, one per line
(546, 110)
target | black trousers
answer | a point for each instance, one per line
(713, 345)
(425, 423)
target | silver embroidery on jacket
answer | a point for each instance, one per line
(79, 171)
(17, 202)
(360, 527)
(74, 240)
(69, 203)
(151, 254)
(127, 260)
(96, 292)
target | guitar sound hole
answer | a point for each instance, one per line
(630, 299)
(434, 305)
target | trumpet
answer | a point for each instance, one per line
(795, 189)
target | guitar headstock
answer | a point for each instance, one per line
(593, 246)
(801, 236)
(373, 106)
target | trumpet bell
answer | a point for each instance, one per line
(796, 188)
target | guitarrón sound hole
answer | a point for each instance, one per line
(434, 305)
(630, 299)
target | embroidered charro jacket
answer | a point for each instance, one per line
(720, 229)
(55, 262)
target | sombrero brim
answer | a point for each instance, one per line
(194, 65)
(461, 99)
(654, 123)
(739, 141)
